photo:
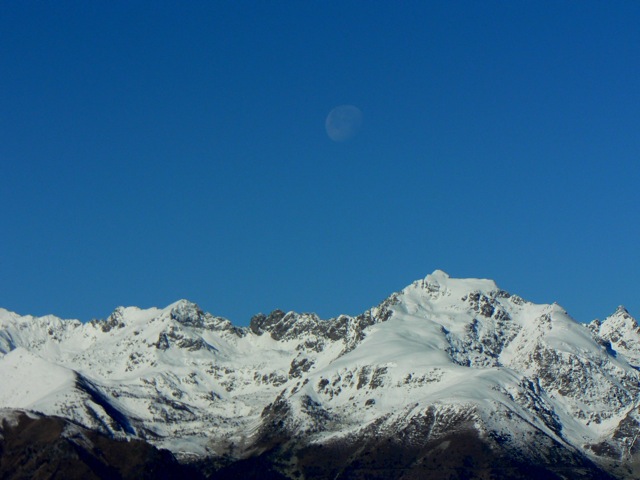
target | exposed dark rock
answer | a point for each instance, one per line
(115, 320)
(262, 323)
(300, 366)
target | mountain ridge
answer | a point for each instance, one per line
(523, 382)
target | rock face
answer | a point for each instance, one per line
(448, 378)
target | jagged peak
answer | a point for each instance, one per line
(133, 311)
(184, 307)
(278, 322)
(621, 316)
(122, 316)
(190, 314)
(621, 310)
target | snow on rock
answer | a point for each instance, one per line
(441, 348)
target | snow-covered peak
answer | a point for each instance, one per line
(621, 333)
(187, 377)
(439, 293)
(182, 311)
(459, 285)
(438, 275)
(623, 313)
(183, 302)
(7, 316)
(619, 320)
(187, 313)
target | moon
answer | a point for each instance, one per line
(343, 123)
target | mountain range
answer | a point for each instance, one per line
(447, 378)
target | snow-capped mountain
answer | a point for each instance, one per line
(443, 373)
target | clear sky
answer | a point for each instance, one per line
(152, 151)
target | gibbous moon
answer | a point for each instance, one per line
(343, 123)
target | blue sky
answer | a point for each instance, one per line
(151, 151)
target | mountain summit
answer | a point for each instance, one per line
(448, 378)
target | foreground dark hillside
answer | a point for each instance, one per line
(34, 447)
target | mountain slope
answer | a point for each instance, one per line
(442, 372)
(33, 446)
